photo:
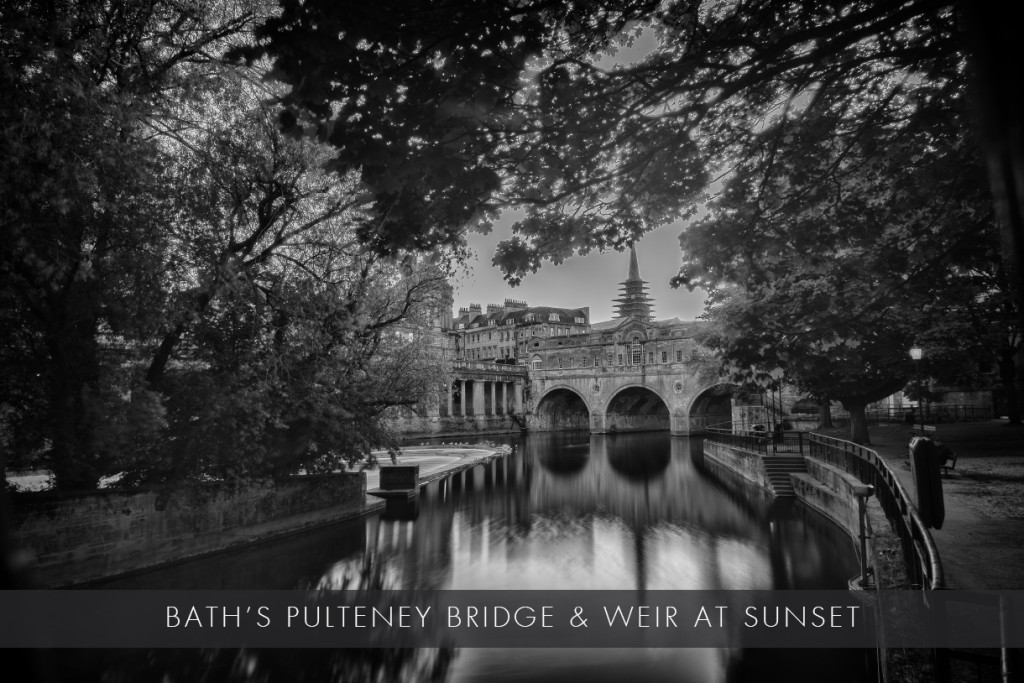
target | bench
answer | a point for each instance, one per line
(948, 458)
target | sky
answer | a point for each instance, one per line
(591, 280)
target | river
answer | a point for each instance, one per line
(566, 511)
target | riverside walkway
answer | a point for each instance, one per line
(981, 542)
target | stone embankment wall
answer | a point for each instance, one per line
(76, 538)
(749, 466)
(823, 488)
(456, 425)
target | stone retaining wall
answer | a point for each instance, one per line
(75, 538)
(747, 465)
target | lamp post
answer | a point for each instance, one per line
(862, 493)
(917, 353)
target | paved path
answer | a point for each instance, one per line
(981, 542)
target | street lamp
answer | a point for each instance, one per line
(862, 493)
(917, 353)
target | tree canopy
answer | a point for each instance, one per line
(185, 293)
(872, 230)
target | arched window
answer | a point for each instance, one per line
(637, 352)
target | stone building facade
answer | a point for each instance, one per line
(502, 332)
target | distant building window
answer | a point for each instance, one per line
(679, 355)
(664, 356)
(581, 321)
(536, 363)
(559, 363)
(650, 357)
(462, 326)
(553, 317)
(510, 321)
(620, 359)
(637, 353)
(528, 317)
(597, 362)
(491, 322)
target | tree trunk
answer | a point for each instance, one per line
(825, 414)
(999, 106)
(72, 379)
(1008, 375)
(858, 422)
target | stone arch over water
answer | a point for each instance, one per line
(636, 409)
(711, 406)
(562, 408)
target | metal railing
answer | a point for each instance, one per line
(760, 441)
(746, 439)
(932, 413)
(920, 555)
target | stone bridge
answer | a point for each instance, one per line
(682, 397)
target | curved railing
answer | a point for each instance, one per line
(921, 556)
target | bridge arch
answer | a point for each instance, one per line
(711, 405)
(562, 407)
(636, 408)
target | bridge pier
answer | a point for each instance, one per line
(683, 425)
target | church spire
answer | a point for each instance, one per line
(634, 267)
(633, 301)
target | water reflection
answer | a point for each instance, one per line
(564, 511)
(628, 510)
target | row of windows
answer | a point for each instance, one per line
(508, 336)
(528, 318)
(636, 357)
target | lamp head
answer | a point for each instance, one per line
(917, 353)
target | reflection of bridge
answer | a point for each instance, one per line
(682, 397)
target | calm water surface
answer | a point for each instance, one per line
(564, 511)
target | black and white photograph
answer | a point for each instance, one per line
(467, 341)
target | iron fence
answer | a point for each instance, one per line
(932, 413)
(756, 440)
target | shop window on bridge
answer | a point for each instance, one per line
(637, 353)
(536, 362)
(679, 355)
(650, 357)
(620, 359)
(559, 363)
(664, 356)
(597, 362)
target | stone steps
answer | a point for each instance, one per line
(777, 470)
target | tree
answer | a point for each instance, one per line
(81, 199)
(186, 291)
(599, 155)
(830, 267)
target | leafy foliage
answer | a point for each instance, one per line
(185, 291)
(829, 265)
